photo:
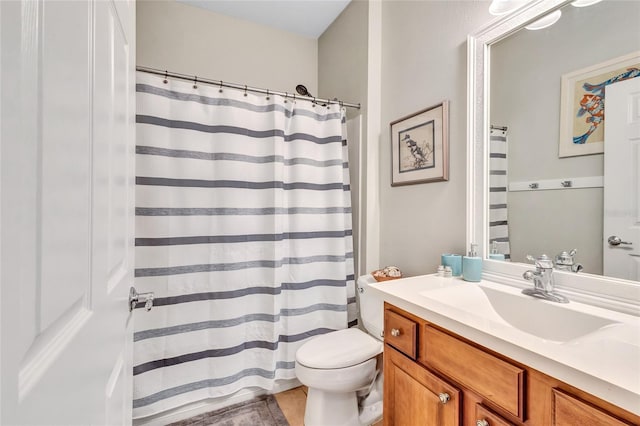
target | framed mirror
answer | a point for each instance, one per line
(515, 79)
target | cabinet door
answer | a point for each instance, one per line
(568, 410)
(415, 396)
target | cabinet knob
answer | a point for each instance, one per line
(395, 332)
(482, 422)
(444, 397)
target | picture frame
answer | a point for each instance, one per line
(420, 146)
(582, 104)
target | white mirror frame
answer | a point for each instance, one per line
(610, 293)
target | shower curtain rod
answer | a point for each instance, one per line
(221, 83)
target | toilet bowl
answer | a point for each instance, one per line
(342, 369)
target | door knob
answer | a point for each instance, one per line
(482, 422)
(614, 240)
(135, 297)
(395, 332)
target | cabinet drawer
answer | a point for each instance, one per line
(485, 417)
(400, 332)
(491, 378)
(568, 410)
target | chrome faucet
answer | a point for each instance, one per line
(542, 277)
(567, 262)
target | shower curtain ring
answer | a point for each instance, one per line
(166, 74)
(195, 82)
(267, 94)
(220, 90)
(294, 98)
(313, 104)
(245, 90)
(286, 95)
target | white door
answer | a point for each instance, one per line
(622, 181)
(67, 118)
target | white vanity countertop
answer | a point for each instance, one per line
(595, 349)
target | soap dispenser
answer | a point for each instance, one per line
(472, 265)
(494, 252)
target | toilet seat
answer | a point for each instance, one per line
(338, 349)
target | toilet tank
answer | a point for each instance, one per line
(371, 307)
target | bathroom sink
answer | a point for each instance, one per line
(547, 320)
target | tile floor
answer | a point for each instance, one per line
(292, 404)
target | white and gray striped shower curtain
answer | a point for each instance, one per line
(498, 190)
(243, 231)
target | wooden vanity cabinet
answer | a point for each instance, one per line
(422, 362)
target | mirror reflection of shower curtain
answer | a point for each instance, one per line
(243, 231)
(498, 192)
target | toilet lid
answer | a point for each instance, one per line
(338, 349)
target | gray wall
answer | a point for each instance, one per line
(195, 41)
(423, 63)
(525, 96)
(342, 73)
(342, 57)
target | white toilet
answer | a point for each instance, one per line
(343, 369)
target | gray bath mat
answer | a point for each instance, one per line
(260, 411)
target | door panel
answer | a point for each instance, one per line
(63, 198)
(111, 137)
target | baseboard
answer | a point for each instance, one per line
(199, 407)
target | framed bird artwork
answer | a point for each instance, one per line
(420, 146)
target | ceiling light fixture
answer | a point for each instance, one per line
(584, 3)
(545, 21)
(502, 7)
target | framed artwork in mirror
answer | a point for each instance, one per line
(420, 146)
(582, 106)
